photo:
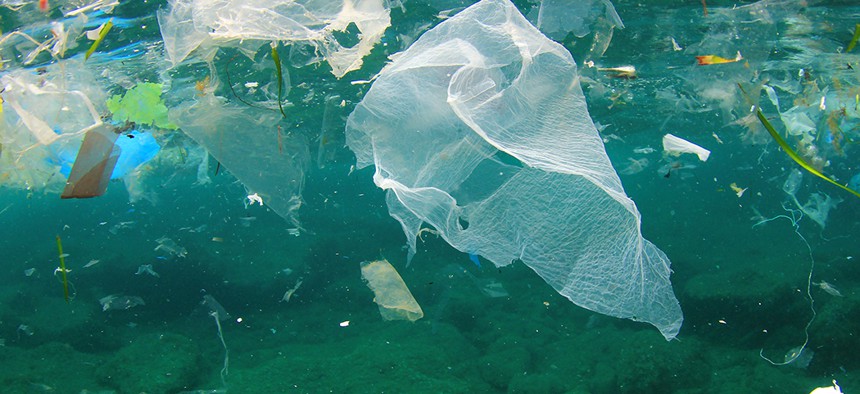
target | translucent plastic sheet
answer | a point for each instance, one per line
(393, 297)
(558, 17)
(190, 23)
(44, 122)
(480, 129)
(248, 142)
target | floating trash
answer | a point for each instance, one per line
(120, 302)
(146, 269)
(170, 247)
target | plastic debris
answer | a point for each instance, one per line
(675, 146)
(828, 288)
(170, 247)
(189, 24)
(835, 389)
(623, 72)
(215, 307)
(799, 357)
(292, 291)
(391, 294)
(120, 302)
(26, 330)
(255, 198)
(737, 189)
(91, 263)
(147, 269)
(471, 149)
(94, 164)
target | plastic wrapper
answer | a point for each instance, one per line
(675, 146)
(393, 297)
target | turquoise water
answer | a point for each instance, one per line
(744, 265)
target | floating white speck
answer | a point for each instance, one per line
(344, 323)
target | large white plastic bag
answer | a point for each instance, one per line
(480, 129)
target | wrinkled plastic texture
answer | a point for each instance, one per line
(189, 23)
(480, 129)
(246, 141)
(393, 297)
(44, 121)
(558, 17)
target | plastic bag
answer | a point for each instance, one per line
(480, 129)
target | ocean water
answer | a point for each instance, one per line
(767, 280)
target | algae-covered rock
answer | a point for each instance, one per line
(155, 363)
(498, 368)
(52, 367)
(537, 383)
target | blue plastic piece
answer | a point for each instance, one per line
(475, 259)
(135, 151)
(136, 148)
(854, 183)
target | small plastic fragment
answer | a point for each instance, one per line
(675, 146)
(147, 269)
(171, 247)
(94, 164)
(393, 297)
(120, 302)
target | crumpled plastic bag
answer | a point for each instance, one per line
(480, 130)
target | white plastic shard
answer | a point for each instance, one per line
(675, 146)
(480, 129)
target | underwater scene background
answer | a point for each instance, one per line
(180, 277)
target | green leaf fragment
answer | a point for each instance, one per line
(277, 60)
(141, 104)
(103, 31)
(853, 42)
(796, 157)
